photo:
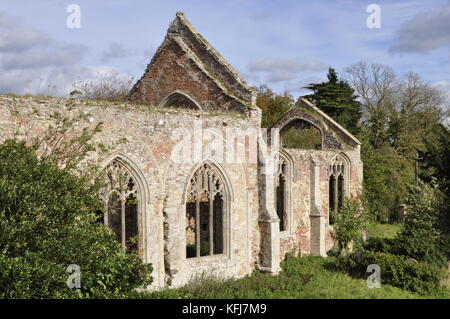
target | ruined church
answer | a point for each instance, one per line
(196, 186)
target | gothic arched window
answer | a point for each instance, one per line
(121, 197)
(282, 190)
(301, 134)
(336, 185)
(205, 213)
(180, 100)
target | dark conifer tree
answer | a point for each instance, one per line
(338, 100)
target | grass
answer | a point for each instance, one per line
(385, 230)
(305, 277)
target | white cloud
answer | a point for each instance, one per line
(278, 70)
(16, 38)
(115, 51)
(41, 58)
(31, 62)
(425, 32)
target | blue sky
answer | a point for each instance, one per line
(286, 43)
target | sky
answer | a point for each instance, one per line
(285, 44)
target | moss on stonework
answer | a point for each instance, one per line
(202, 38)
(54, 101)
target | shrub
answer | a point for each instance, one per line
(48, 222)
(107, 87)
(381, 245)
(395, 270)
(422, 237)
(350, 222)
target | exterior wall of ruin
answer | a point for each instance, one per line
(187, 63)
(174, 71)
(146, 147)
(310, 222)
(143, 137)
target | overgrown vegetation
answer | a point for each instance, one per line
(404, 151)
(400, 121)
(395, 270)
(106, 87)
(48, 221)
(50, 212)
(349, 223)
(424, 236)
(305, 277)
(272, 105)
(305, 138)
(415, 258)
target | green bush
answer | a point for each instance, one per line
(48, 221)
(423, 237)
(397, 271)
(381, 245)
(350, 221)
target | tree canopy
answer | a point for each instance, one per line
(338, 100)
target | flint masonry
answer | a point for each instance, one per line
(206, 215)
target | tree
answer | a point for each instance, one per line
(435, 159)
(423, 235)
(48, 221)
(272, 105)
(384, 186)
(338, 100)
(400, 118)
(350, 222)
(397, 112)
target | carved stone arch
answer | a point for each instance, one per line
(338, 182)
(220, 170)
(181, 100)
(134, 169)
(283, 190)
(328, 140)
(344, 161)
(207, 204)
(289, 123)
(124, 178)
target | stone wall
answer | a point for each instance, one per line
(310, 230)
(146, 139)
(147, 145)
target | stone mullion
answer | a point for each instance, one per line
(122, 214)
(197, 225)
(211, 212)
(198, 193)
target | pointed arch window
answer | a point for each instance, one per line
(205, 213)
(336, 185)
(301, 134)
(121, 197)
(180, 100)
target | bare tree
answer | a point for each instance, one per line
(108, 87)
(397, 111)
